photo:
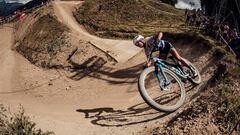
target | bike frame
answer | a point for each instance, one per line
(159, 64)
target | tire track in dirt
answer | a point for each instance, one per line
(7, 59)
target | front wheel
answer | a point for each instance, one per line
(167, 99)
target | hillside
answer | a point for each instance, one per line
(124, 18)
(41, 38)
(48, 43)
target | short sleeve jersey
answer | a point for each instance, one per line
(151, 45)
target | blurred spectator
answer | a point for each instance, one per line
(186, 12)
(235, 34)
(226, 31)
(211, 27)
(21, 15)
(1, 19)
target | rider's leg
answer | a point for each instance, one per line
(174, 52)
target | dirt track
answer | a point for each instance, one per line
(121, 50)
(106, 102)
(61, 106)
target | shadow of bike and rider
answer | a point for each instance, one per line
(139, 113)
(110, 117)
(95, 67)
(136, 114)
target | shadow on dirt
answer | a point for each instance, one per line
(109, 117)
(139, 113)
(93, 64)
(95, 67)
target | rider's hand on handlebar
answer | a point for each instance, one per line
(148, 64)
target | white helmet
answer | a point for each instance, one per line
(137, 38)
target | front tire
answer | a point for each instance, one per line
(160, 100)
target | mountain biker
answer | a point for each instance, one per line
(154, 44)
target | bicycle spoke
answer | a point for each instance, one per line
(170, 96)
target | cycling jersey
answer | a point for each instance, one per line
(152, 45)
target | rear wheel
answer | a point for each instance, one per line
(162, 97)
(195, 79)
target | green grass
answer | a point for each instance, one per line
(126, 18)
(18, 124)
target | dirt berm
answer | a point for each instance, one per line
(47, 43)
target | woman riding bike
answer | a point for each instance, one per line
(154, 44)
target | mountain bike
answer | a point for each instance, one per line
(161, 85)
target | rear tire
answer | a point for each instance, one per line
(156, 102)
(198, 79)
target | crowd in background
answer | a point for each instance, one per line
(19, 14)
(6, 19)
(210, 26)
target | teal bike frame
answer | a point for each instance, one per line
(160, 64)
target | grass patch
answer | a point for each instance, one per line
(43, 40)
(18, 124)
(126, 18)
